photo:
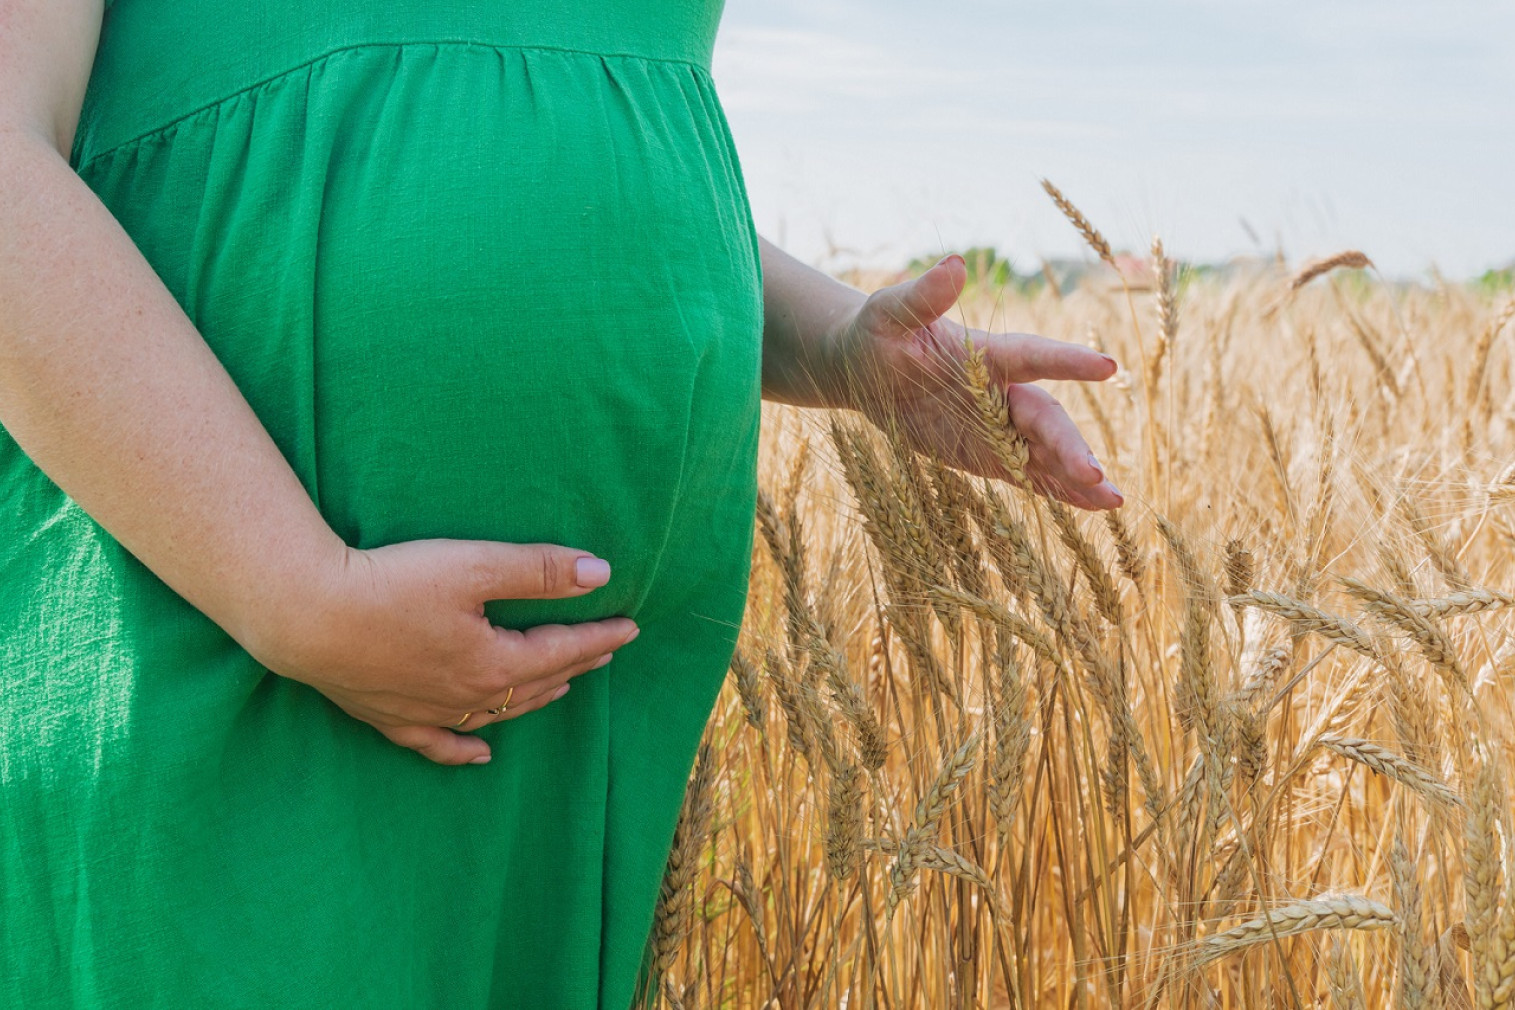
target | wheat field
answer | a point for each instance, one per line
(1244, 743)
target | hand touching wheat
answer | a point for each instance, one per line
(904, 359)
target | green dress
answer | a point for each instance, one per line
(484, 269)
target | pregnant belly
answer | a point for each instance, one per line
(463, 313)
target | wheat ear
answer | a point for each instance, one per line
(1342, 911)
(1433, 644)
(1091, 234)
(1344, 979)
(928, 814)
(1309, 618)
(1414, 956)
(1351, 259)
(844, 821)
(1473, 601)
(1128, 556)
(1482, 348)
(1481, 875)
(1167, 313)
(750, 689)
(671, 915)
(1391, 765)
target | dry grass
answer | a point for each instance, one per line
(1243, 745)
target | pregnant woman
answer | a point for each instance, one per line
(371, 372)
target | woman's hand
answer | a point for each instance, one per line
(902, 358)
(396, 636)
(895, 357)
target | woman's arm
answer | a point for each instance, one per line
(804, 311)
(111, 391)
(895, 356)
(103, 380)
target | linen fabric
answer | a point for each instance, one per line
(483, 270)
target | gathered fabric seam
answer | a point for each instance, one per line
(274, 78)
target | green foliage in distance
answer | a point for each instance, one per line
(984, 266)
(1496, 281)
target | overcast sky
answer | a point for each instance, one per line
(895, 128)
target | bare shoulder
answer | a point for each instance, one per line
(46, 50)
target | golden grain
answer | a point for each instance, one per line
(1387, 763)
(1351, 259)
(1314, 444)
(1091, 235)
(1342, 911)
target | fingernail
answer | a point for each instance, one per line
(591, 573)
(601, 662)
(635, 631)
(1097, 468)
(561, 691)
(1120, 499)
(482, 759)
(1110, 359)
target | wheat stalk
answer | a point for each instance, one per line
(1012, 739)
(1102, 587)
(998, 430)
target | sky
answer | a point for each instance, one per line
(874, 131)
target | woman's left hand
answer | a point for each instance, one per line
(905, 356)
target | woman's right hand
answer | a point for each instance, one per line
(397, 637)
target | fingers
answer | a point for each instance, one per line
(520, 700)
(452, 745)
(549, 692)
(440, 745)
(549, 649)
(906, 307)
(1068, 467)
(528, 670)
(1025, 357)
(533, 571)
(1047, 426)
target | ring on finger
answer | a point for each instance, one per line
(460, 722)
(505, 705)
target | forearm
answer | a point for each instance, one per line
(107, 386)
(803, 313)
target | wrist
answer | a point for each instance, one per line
(808, 322)
(837, 347)
(810, 361)
(282, 622)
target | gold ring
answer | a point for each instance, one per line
(505, 707)
(461, 721)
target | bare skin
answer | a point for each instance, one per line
(109, 389)
(824, 341)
